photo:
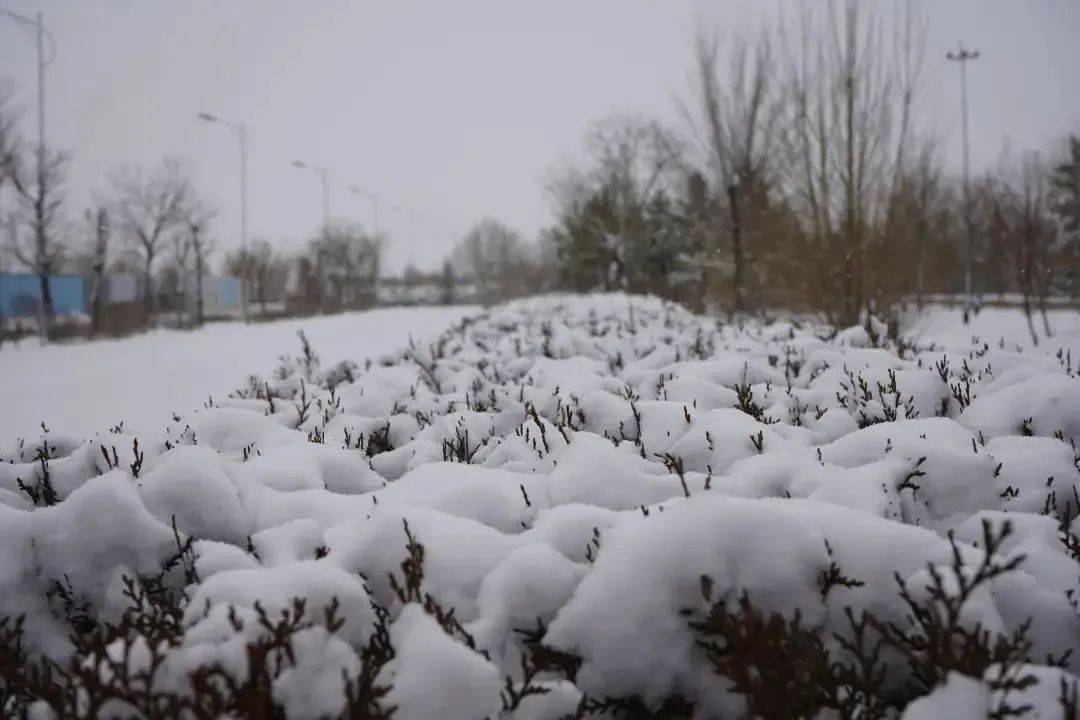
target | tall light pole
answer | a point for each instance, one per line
(324, 175)
(963, 56)
(39, 221)
(39, 29)
(240, 131)
(374, 198)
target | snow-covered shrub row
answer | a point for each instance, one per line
(566, 507)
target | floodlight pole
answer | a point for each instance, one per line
(963, 56)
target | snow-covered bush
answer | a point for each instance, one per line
(565, 507)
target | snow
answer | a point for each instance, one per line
(432, 668)
(944, 327)
(597, 474)
(87, 387)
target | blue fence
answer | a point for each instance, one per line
(228, 292)
(20, 294)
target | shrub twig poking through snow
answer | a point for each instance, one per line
(308, 357)
(832, 576)
(458, 449)
(939, 640)
(302, 404)
(675, 465)
(781, 667)
(745, 398)
(408, 590)
(137, 462)
(42, 492)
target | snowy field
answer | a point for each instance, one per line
(944, 327)
(561, 508)
(84, 388)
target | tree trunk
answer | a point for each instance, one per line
(736, 248)
(181, 296)
(851, 301)
(1030, 322)
(48, 313)
(149, 301)
(200, 305)
(97, 281)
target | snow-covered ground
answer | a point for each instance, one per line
(84, 388)
(944, 327)
(568, 507)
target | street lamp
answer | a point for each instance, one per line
(240, 130)
(374, 198)
(963, 56)
(324, 175)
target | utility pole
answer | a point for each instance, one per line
(963, 56)
(240, 130)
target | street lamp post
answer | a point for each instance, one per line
(963, 56)
(240, 130)
(324, 176)
(40, 33)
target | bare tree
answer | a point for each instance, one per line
(266, 269)
(149, 208)
(846, 132)
(8, 139)
(37, 184)
(39, 201)
(1021, 219)
(495, 258)
(734, 120)
(917, 208)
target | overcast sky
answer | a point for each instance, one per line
(457, 109)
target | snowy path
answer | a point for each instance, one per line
(92, 386)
